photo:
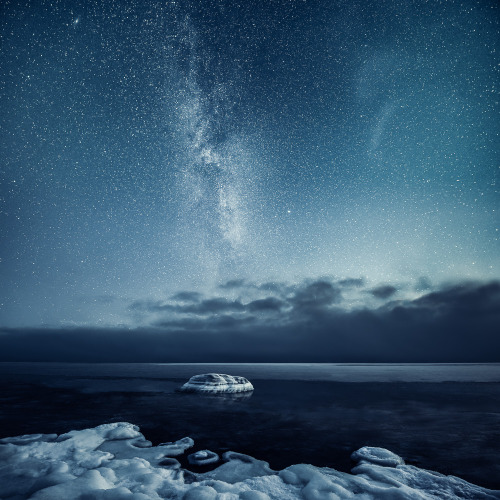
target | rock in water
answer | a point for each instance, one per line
(217, 382)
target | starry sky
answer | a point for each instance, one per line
(288, 180)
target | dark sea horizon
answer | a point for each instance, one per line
(441, 417)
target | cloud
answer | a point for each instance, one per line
(241, 285)
(423, 284)
(316, 295)
(456, 323)
(383, 291)
(276, 288)
(216, 305)
(467, 299)
(232, 284)
(147, 306)
(187, 297)
(267, 304)
(352, 282)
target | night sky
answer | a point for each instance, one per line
(282, 180)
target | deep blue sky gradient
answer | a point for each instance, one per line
(151, 149)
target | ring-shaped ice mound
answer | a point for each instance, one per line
(203, 457)
(217, 382)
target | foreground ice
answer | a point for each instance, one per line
(203, 457)
(217, 382)
(115, 462)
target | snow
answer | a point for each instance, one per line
(378, 456)
(115, 462)
(217, 382)
(203, 457)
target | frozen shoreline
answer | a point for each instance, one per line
(115, 461)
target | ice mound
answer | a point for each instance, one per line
(217, 382)
(378, 456)
(203, 457)
(115, 462)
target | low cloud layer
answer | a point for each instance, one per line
(384, 291)
(306, 322)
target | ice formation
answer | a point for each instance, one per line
(217, 382)
(203, 457)
(115, 462)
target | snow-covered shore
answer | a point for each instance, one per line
(116, 462)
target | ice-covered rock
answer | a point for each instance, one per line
(217, 382)
(115, 462)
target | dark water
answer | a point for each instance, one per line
(440, 417)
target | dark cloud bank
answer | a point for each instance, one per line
(303, 323)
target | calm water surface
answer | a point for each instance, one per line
(440, 417)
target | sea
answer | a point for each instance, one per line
(440, 417)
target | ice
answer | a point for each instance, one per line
(217, 382)
(379, 456)
(238, 468)
(116, 462)
(203, 457)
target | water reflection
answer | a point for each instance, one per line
(218, 396)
